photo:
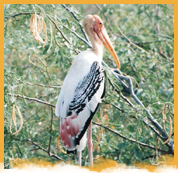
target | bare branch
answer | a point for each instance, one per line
(40, 85)
(31, 99)
(18, 14)
(75, 17)
(129, 139)
(19, 150)
(122, 96)
(150, 117)
(113, 105)
(80, 38)
(99, 8)
(49, 146)
(153, 26)
(130, 40)
(41, 70)
(65, 38)
(43, 149)
(165, 36)
(161, 52)
(148, 157)
(148, 42)
(170, 132)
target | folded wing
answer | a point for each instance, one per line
(81, 109)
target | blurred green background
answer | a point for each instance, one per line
(143, 37)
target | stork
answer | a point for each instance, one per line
(83, 89)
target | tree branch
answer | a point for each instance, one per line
(80, 38)
(150, 117)
(49, 146)
(43, 149)
(130, 40)
(148, 157)
(65, 38)
(18, 14)
(40, 85)
(113, 105)
(31, 99)
(122, 96)
(129, 139)
(75, 17)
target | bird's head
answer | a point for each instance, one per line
(93, 26)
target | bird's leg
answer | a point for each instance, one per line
(90, 144)
(80, 158)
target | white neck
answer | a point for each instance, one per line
(97, 48)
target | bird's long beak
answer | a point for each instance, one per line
(107, 43)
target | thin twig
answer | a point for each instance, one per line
(40, 85)
(62, 34)
(75, 17)
(113, 105)
(148, 42)
(39, 68)
(43, 149)
(35, 149)
(129, 139)
(161, 52)
(19, 150)
(153, 26)
(148, 157)
(80, 38)
(18, 14)
(165, 36)
(122, 96)
(167, 105)
(157, 31)
(31, 99)
(157, 23)
(170, 132)
(44, 66)
(49, 146)
(130, 40)
(99, 8)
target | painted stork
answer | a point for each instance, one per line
(82, 90)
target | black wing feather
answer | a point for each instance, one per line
(87, 88)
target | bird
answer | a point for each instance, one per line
(83, 89)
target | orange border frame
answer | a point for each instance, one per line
(2, 87)
(81, 2)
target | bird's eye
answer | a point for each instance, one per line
(100, 23)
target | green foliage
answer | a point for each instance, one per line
(149, 61)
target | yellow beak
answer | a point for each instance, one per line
(107, 43)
